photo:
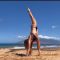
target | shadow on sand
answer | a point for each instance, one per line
(21, 54)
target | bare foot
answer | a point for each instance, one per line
(28, 9)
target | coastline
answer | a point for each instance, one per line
(20, 54)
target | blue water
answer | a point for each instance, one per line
(22, 45)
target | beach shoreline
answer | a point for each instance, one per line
(20, 54)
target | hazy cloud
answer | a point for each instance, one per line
(41, 36)
(53, 26)
(48, 37)
(21, 36)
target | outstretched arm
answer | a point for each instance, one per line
(34, 24)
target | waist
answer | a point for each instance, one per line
(34, 32)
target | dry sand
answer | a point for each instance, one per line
(20, 54)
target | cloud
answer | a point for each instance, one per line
(53, 26)
(40, 36)
(48, 37)
(21, 36)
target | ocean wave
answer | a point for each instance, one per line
(52, 46)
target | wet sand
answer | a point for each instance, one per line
(20, 54)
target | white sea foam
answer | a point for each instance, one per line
(51, 46)
(17, 47)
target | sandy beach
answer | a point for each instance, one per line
(20, 54)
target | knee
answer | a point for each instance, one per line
(38, 41)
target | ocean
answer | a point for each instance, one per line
(22, 45)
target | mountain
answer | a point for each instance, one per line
(49, 41)
(44, 41)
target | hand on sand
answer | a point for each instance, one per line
(39, 53)
(28, 54)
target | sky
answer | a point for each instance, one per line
(15, 22)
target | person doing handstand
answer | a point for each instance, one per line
(33, 35)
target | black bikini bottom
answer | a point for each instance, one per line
(33, 37)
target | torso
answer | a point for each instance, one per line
(33, 30)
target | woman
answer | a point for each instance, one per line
(33, 35)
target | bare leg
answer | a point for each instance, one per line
(31, 48)
(38, 46)
(29, 45)
(34, 24)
